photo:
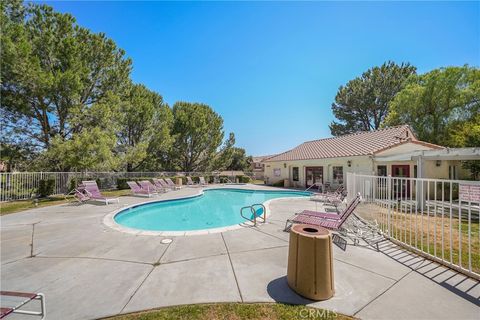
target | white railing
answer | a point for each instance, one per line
(25, 185)
(434, 217)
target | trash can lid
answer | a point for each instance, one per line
(310, 230)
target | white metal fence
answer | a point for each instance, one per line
(24, 185)
(434, 217)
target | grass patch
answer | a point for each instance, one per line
(234, 311)
(22, 205)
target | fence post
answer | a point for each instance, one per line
(389, 197)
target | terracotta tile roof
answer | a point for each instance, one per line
(261, 158)
(355, 144)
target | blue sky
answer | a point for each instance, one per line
(272, 69)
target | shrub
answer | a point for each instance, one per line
(46, 187)
(196, 179)
(243, 179)
(279, 183)
(223, 179)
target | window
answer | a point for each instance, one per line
(382, 171)
(295, 173)
(415, 171)
(452, 172)
(338, 175)
(277, 172)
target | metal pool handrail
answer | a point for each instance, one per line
(254, 213)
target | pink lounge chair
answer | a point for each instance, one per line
(322, 220)
(161, 187)
(137, 190)
(80, 195)
(172, 185)
(164, 184)
(147, 185)
(92, 190)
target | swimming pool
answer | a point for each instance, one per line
(214, 208)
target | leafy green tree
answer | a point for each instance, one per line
(439, 104)
(240, 160)
(224, 156)
(198, 133)
(87, 150)
(143, 126)
(362, 104)
(53, 71)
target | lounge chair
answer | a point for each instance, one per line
(161, 187)
(18, 300)
(164, 184)
(202, 181)
(172, 185)
(329, 215)
(137, 190)
(323, 197)
(92, 190)
(147, 185)
(322, 221)
(80, 195)
(191, 183)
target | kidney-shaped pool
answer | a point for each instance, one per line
(214, 208)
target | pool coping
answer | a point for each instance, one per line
(109, 221)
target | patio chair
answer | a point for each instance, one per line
(92, 190)
(322, 197)
(137, 190)
(202, 181)
(172, 185)
(147, 185)
(335, 199)
(80, 195)
(329, 215)
(17, 300)
(158, 184)
(322, 221)
(164, 184)
(191, 183)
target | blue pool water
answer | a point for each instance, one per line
(215, 208)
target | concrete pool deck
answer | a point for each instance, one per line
(87, 270)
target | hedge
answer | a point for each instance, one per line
(46, 187)
(280, 183)
(243, 179)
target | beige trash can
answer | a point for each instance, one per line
(310, 262)
(286, 183)
(179, 181)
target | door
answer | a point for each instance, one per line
(313, 175)
(401, 187)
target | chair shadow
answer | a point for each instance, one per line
(279, 291)
(462, 285)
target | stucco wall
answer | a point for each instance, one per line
(361, 164)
